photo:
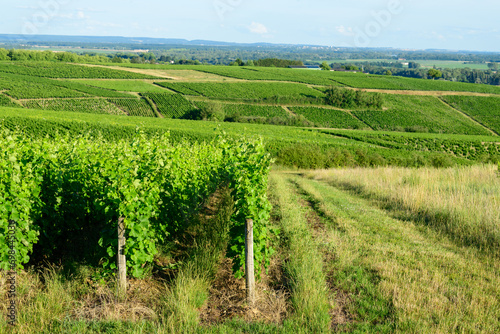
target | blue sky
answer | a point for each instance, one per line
(412, 24)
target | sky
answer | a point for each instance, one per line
(407, 24)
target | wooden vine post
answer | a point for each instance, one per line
(249, 263)
(121, 260)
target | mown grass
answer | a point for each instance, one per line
(303, 263)
(434, 285)
(462, 203)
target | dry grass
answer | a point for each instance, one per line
(434, 285)
(228, 297)
(464, 202)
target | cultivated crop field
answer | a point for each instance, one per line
(138, 86)
(423, 113)
(134, 107)
(60, 70)
(365, 219)
(249, 110)
(485, 110)
(243, 91)
(330, 118)
(93, 106)
(170, 105)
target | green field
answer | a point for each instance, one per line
(485, 110)
(423, 63)
(137, 86)
(61, 70)
(329, 118)
(93, 106)
(134, 107)
(171, 105)
(419, 114)
(243, 91)
(247, 110)
(378, 216)
(400, 83)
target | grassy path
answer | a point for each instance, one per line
(402, 277)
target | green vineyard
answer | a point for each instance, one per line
(171, 105)
(150, 182)
(485, 110)
(244, 91)
(329, 118)
(248, 110)
(61, 70)
(419, 114)
(134, 107)
(93, 106)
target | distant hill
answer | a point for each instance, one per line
(11, 38)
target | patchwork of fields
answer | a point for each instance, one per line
(266, 96)
(372, 220)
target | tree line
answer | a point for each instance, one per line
(414, 70)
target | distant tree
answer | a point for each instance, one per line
(117, 60)
(136, 60)
(433, 73)
(413, 64)
(274, 62)
(493, 66)
(350, 67)
(250, 63)
(237, 62)
(388, 72)
(325, 67)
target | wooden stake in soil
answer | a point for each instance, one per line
(249, 266)
(121, 260)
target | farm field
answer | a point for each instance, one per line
(423, 113)
(246, 110)
(371, 219)
(347, 240)
(330, 118)
(485, 110)
(62, 70)
(138, 86)
(93, 106)
(134, 107)
(423, 63)
(405, 106)
(243, 91)
(302, 147)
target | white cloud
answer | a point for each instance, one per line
(258, 28)
(346, 31)
(438, 36)
(81, 15)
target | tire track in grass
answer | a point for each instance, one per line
(302, 264)
(360, 306)
(317, 221)
(406, 278)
